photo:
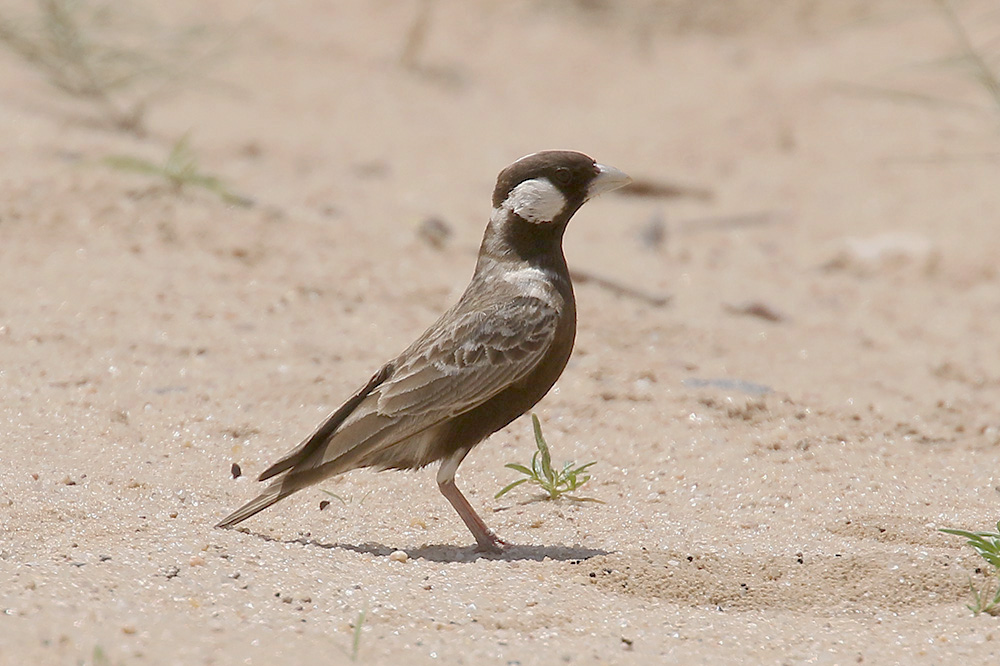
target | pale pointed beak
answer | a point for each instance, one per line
(608, 178)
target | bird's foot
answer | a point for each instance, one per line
(491, 543)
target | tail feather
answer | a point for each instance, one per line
(306, 464)
(273, 494)
(326, 430)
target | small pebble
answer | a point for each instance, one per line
(236, 471)
(755, 309)
(434, 231)
(653, 234)
(399, 556)
(196, 560)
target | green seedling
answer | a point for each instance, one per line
(180, 169)
(557, 483)
(987, 600)
(358, 626)
(987, 544)
(98, 658)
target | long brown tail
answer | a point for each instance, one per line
(274, 493)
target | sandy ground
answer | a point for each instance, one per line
(773, 486)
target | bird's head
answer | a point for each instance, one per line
(547, 187)
(534, 199)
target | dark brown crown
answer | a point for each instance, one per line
(571, 172)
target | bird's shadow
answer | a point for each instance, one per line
(447, 553)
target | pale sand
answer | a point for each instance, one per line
(148, 340)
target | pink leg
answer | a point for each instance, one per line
(485, 538)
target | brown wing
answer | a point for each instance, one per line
(464, 365)
(451, 369)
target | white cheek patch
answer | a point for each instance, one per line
(536, 200)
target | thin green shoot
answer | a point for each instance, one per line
(180, 169)
(982, 71)
(334, 496)
(99, 657)
(358, 626)
(555, 482)
(349, 499)
(987, 544)
(986, 600)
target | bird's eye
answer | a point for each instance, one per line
(563, 176)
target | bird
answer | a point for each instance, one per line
(482, 364)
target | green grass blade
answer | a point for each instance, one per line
(584, 499)
(203, 180)
(358, 626)
(333, 495)
(543, 449)
(536, 467)
(180, 155)
(510, 487)
(133, 164)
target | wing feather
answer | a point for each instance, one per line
(465, 365)
(447, 372)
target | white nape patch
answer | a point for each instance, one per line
(536, 200)
(534, 282)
